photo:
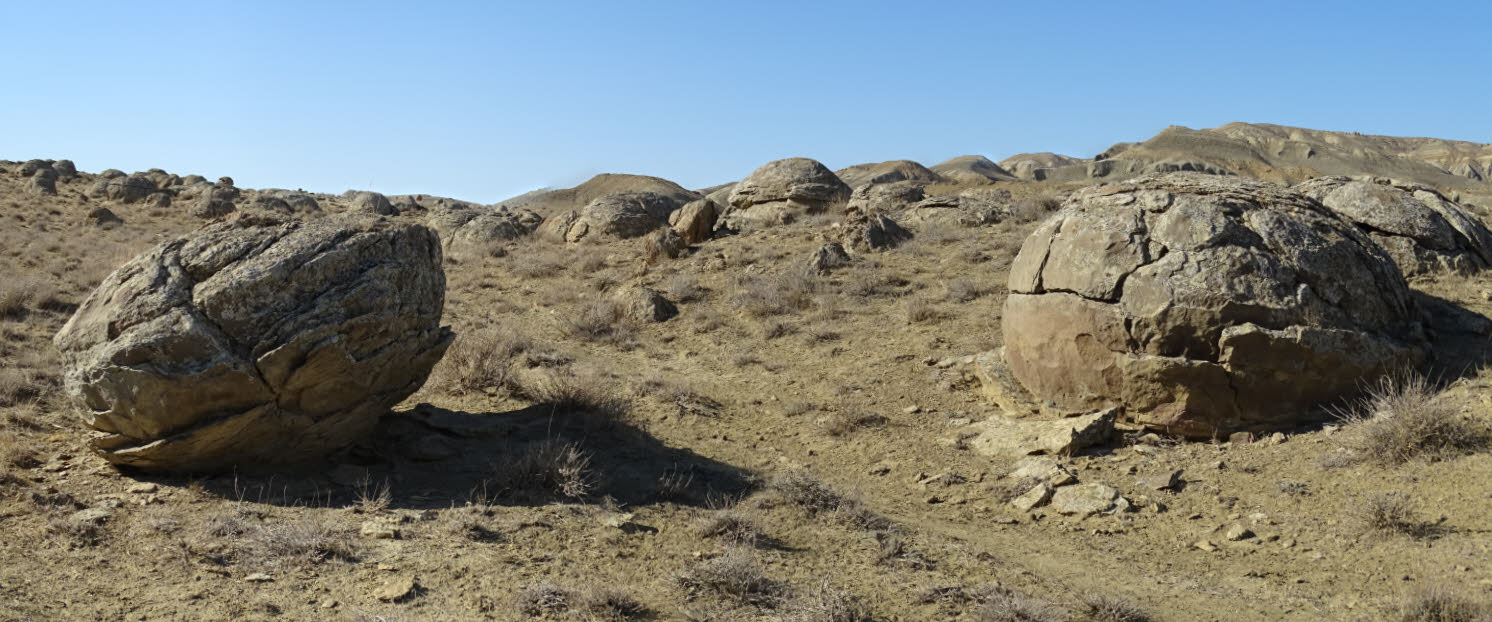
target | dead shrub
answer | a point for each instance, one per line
(79, 533)
(480, 361)
(1103, 608)
(828, 604)
(731, 526)
(603, 604)
(841, 423)
(870, 282)
(1009, 606)
(815, 497)
(551, 468)
(372, 498)
(921, 311)
(1402, 418)
(298, 542)
(1391, 513)
(17, 294)
(1440, 605)
(603, 321)
(534, 266)
(564, 390)
(17, 386)
(774, 330)
(472, 521)
(964, 289)
(1034, 208)
(543, 599)
(735, 574)
(15, 452)
(684, 287)
(783, 293)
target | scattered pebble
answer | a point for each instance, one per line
(259, 577)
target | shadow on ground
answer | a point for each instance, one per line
(436, 458)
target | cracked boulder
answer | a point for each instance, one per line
(1420, 228)
(1204, 305)
(469, 230)
(256, 340)
(781, 191)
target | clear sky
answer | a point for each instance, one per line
(484, 100)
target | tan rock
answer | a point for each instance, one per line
(998, 436)
(695, 221)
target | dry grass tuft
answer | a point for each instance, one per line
(1391, 513)
(1102, 608)
(1010, 606)
(841, 423)
(565, 390)
(548, 468)
(602, 321)
(373, 498)
(964, 289)
(17, 295)
(299, 542)
(480, 361)
(827, 604)
(735, 574)
(731, 526)
(543, 599)
(595, 604)
(1439, 605)
(815, 497)
(1034, 208)
(684, 287)
(921, 311)
(787, 292)
(1402, 418)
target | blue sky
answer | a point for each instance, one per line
(484, 100)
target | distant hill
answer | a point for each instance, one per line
(549, 202)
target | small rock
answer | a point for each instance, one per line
(1000, 436)
(1277, 438)
(1241, 438)
(1088, 499)
(1165, 480)
(1062, 478)
(1005, 520)
(1238, 532)
(1038, 496)
(259, 577)
(395, 590)
(1205, 545)
(97, 516)
(879, 469)
(912, 410)
(329, 604)
(144, 488)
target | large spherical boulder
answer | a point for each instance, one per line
(622, 215)
(1419, 227)
(256, 340)
(370, 202)
(783, 190)
(1204, 305)
(467, 229)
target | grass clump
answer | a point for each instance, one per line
(1010, 606)
(480, 361)
(827, 604)
(1103, 608)
(735, 574)
(817, 498)
(602, 321)
(1438, 605)
(1402, 418)
(1392, 513)
(548, 468)
(780, 294)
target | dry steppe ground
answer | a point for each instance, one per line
(786, 448)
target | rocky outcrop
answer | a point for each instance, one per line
(369, 203)
(782, 191)
(621, 215)
(695, 221)
(467, 229)
(974, 207)
(42, 183)
(216, 200)
(1420, 228)
(889, 197)
(1203, 305)
(866, 233)
(256, 340)
(124, 189)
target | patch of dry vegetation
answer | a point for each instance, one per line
(827, 604)
(480, 361)
(1439, 605)
(735, 574)
(549, 468)
(779, 294)
(1403, 418)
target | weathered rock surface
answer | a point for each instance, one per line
(103, 218)
(974, 207)
(644, 304)
(124, 189)
(1419, 227)
(972, 169)
(215, 201)
(782, 191)
(370, 202)
(42, 182)
(468, 229)
(865, 233)
(894, 171)
(828, 258)
(695, 221)
(1088, 499)
(1203, 304)
(998, 436)
(256, 340)
(621, 215)
(890, 197)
